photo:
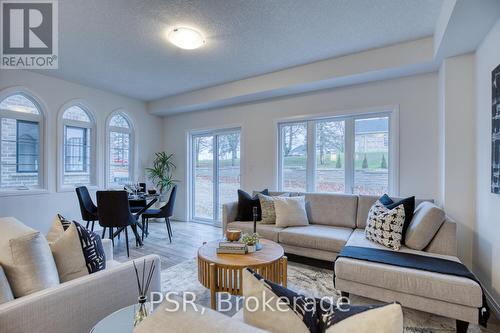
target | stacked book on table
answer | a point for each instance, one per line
(231, 247)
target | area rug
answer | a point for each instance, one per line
(306, 280)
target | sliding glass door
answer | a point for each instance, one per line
(215, 175)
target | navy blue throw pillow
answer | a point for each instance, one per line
(246, 203)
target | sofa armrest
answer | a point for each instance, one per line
(229, 213)
(445, 240)
(77, 305)
(107, 245)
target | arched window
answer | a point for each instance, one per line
(120, 150)
(78, 147)
(21, 120)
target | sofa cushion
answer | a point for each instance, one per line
(76, 250)
(26, 258)
(426, 222)
(386, 319)
(5, 291)
(449, 288)
(290, 212)
(267, 208)
(315, 236)
(337, 210)
(246, 203)
(267, 231)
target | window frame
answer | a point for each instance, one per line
(39, 118)
(92, 126)
(18, 121)
(132, 153)
(349, 117)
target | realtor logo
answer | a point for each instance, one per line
(29, 36)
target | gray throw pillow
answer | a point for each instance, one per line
(426, 222)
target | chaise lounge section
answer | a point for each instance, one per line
(337, 220)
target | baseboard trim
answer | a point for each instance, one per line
(494, 306)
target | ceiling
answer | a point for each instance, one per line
(120, 45)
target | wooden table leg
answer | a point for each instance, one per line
(284, 267)
(213, 276)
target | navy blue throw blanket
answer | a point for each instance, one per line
(410, 260)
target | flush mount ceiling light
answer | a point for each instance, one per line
(186, 38)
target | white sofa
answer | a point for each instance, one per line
(77, 305)
(337, 220)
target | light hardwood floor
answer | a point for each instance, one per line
(187, 238)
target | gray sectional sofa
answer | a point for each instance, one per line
(337, 220)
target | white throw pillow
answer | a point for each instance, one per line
(385, 226)
(26, 258)
(386, 319)
(290, 212)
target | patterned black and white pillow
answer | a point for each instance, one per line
(385, 226)
(77, 251)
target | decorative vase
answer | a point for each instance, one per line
(251, 248)
(233, 235)
(141, 310)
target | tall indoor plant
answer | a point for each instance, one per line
(161, 174)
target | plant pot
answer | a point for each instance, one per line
(251, 248)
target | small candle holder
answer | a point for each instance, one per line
(255, 211)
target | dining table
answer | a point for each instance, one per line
(139, 203)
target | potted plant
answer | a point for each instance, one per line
(161, 174)
(251, 241)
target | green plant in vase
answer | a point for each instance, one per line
(251, 241)
(161, 174)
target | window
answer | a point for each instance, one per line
(120, 143)
(330, 156)
(20, 147)
(314, 155)
(78, 137)
(294, 139)
(215, 172)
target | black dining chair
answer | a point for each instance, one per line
(165, 212)
(87, 207)
(114, 212)
(142, 187)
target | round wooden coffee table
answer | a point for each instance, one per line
(224, 272)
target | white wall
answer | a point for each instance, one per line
(417, 97)
(39, 210)
(457, 146)
(486, 251)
